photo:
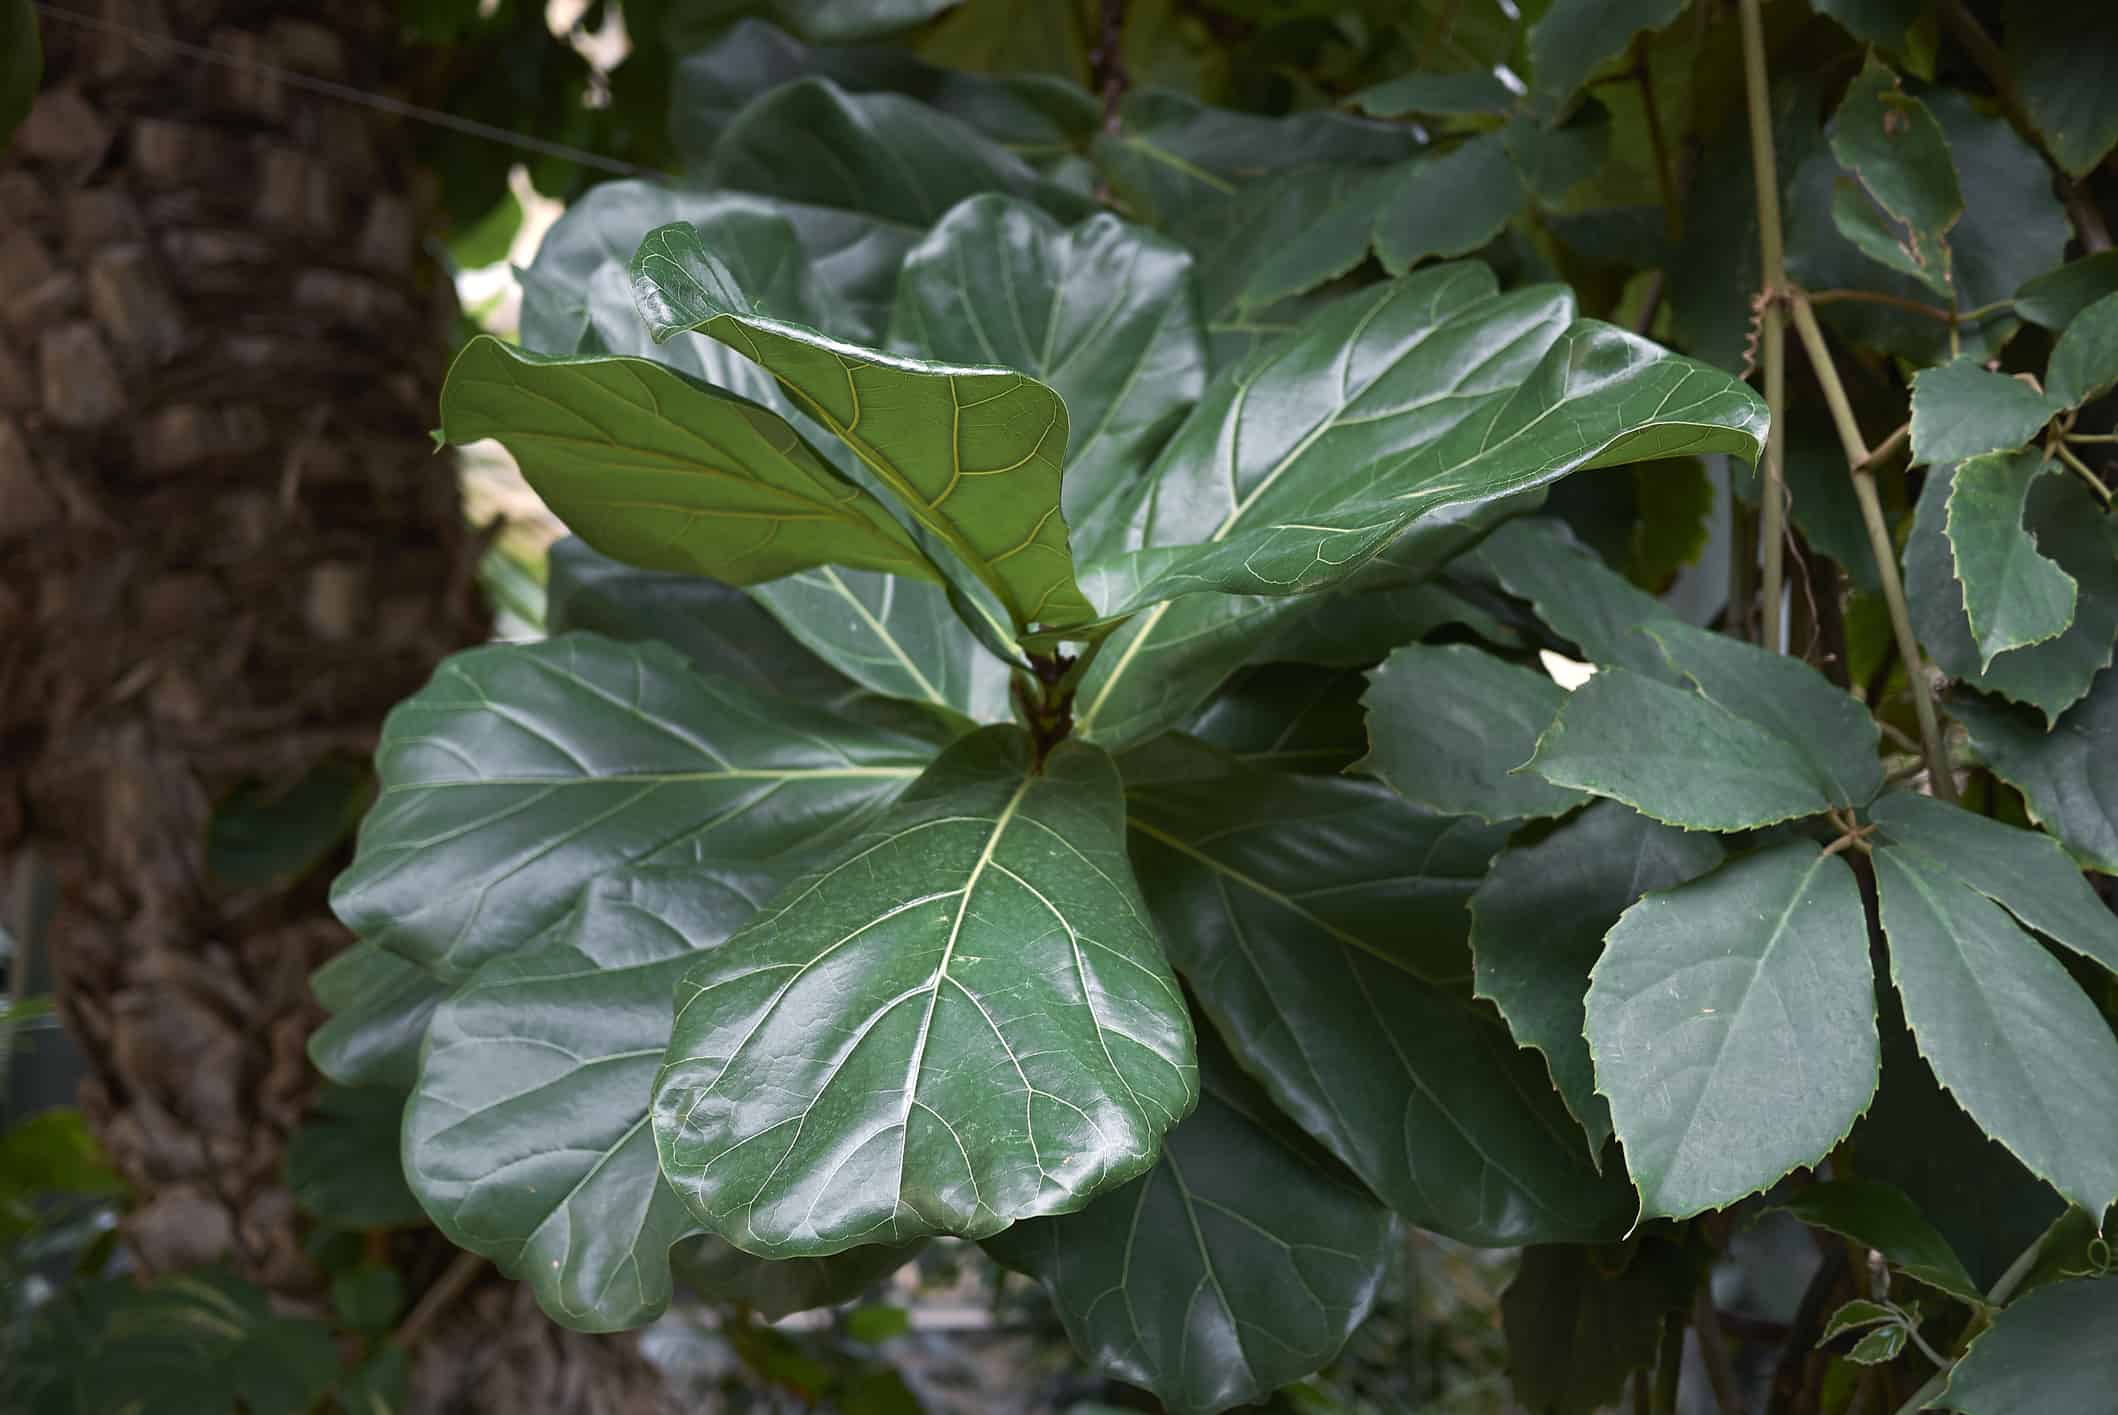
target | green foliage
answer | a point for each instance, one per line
(23, 68)
(1048, 737)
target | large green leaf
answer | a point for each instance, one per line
(2022, 871)
(2012, 595)
(899, 637)
(2073, 533)
(960, 1019)
(974, 454)
(2085, 360)
(1585, 602)
(1879, 1217)
(2006, 1030)
(1890, 140)
(1578, 1324)
(1448, 205)
(1239, 1264)
(1287, 717)
(2069, 775)
(379, 1005)
(523, 771)
(1574, 38)
(1961, 409)
(1448, 725)
(2049, 1351)
(2061, 54)
(1537, 928)
(724, 1275)
(1104, 313)
(668, 474)
(527, 1139)
(1321, 923)
(1732, 1020)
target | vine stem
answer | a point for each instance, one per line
(1765, 172)
(1997, 1296)
(2083, 469)
(1861, 464)
(462, 1269)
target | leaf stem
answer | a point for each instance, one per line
(1860, 463)
(2092, 437)
(1877, 297)
(446, 1289)
(2082, 468)
(1765, 173)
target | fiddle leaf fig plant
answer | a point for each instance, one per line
(1079, 720)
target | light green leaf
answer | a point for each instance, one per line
(2073, 533)
(1537, 928)
(342, 1160)
(1448, 205)
(1854, 1315)
(668, 474)
(2004, 1027)
(973, 454)
(2049, 1351)
(1880, 1217)
(898, 637)
(725, 1276)
(379, 1006)
(1576, 1329)
(2054, 298)
(1472, 92)
(2012, 595)
(881, 154)
(1104, 313)
(2060, 52)
(1239, 1264)
(1287, 717)
(1320, 922)
(960, 1019)
(2068, 775)
(527, 1138)
(1575, 38)
(1732, 1020)
(524, 771)
(23, 68)
(1575, 593)
(1961, 410)
(2022, 871)
(1878, 1347)
(2084, 363)
(1890, 140)
(1448, 724)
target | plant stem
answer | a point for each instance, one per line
(2092, 437)
(1765, 173)
(1888, 445)
(1669, 1366)
(446, 1289)
(1860, 462)
(1876, 297)
(2082, 468)
(1713, 1350)
(1658, 141)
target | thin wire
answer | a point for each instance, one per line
(470, 127)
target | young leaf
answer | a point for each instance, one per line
(2084, 363)
(1239, 1264)
(2048, 1351)
(1103, 312)
(723, 1275)
(2006, 1030)
(1576, 1329)
(2012, 595)
(1880, 1217)
(1448, 724)
(1854, 1315)
(379, 1005)
(527, 1138)
(1893, 143)
(668, 474)
(1960, 410)
(959, 1019)
(1317, 920)
(1879, 1347)
(1732, 1020)
(523, 771)
(2073, 533)
(2068, 775)
(973, 454)
(1537, 927)
(2022, 871)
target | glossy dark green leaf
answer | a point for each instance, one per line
(1449, 724)
(1538, 922)
(959, 1019)
(1321, 924)
(2013, 596)
(527, 1139)
(1287, 717)
(1102, 312)
(2055, 297)
(1890, 140)
(2068, 775)
(1448, 205)
(725, 1276)
(1960, 409)
(342, 1159)
(1336, 238)
(2024, 872)
(1732, 1020)
(1577, 1328)
(2060, 53)
(972, 453)
(898, 637)
(1357, 628)
(260, 837)
(2048, 1351)
(1472, 91)
(1577, 37)
(2084, 363)
(1239, 1264)
(380, 1005)
(1880, 1217)
(2073, 533)
(880, 154)
(22, 69)
(2005, 1028)
(522, 772)
(1576, 594)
